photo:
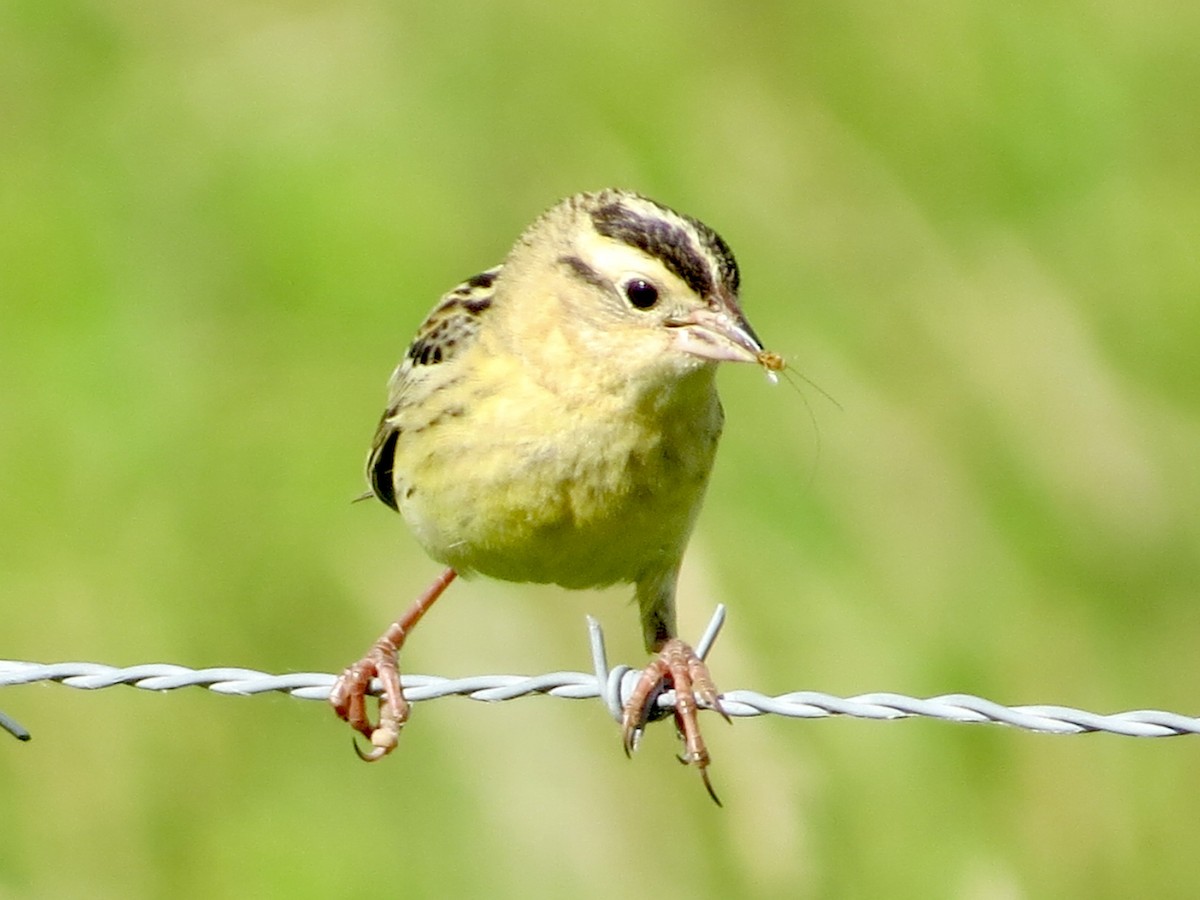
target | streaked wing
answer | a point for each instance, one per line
(448, 330)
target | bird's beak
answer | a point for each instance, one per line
(718, 332)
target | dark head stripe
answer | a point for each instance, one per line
(586, 272)
(671, 245)
(726, 265)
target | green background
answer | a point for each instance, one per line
(974, 225)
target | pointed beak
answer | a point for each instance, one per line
(718, 332)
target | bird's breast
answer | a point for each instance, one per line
(528, 485)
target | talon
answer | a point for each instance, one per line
(720, 711)
(708, 787)
(374, 754)
(711, 700)
(630, 740)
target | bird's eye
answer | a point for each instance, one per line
(640, 293)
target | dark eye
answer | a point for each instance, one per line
(640, 293)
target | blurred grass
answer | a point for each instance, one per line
(975, 226)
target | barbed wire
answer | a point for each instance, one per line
(13, 727)
(613, 686)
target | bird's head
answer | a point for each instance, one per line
(614, 275)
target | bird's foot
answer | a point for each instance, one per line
(676, 665)
(349, 699)
(349, 694)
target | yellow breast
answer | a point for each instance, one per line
(577, 485)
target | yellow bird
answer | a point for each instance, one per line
(555, 421)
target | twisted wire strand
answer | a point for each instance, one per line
(613, 686)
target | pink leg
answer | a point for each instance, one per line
(349, 694)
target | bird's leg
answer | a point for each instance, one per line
(349, 694)
(677, 665)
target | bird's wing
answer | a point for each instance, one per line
(447, 332)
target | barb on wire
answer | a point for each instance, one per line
(13, 727)
(613, 686)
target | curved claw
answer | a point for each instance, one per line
(633, 721)
(703, 766)
(374, 754)
(708, 787)
(715, 705)
(629, 740)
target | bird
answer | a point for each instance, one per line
(555, 421)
